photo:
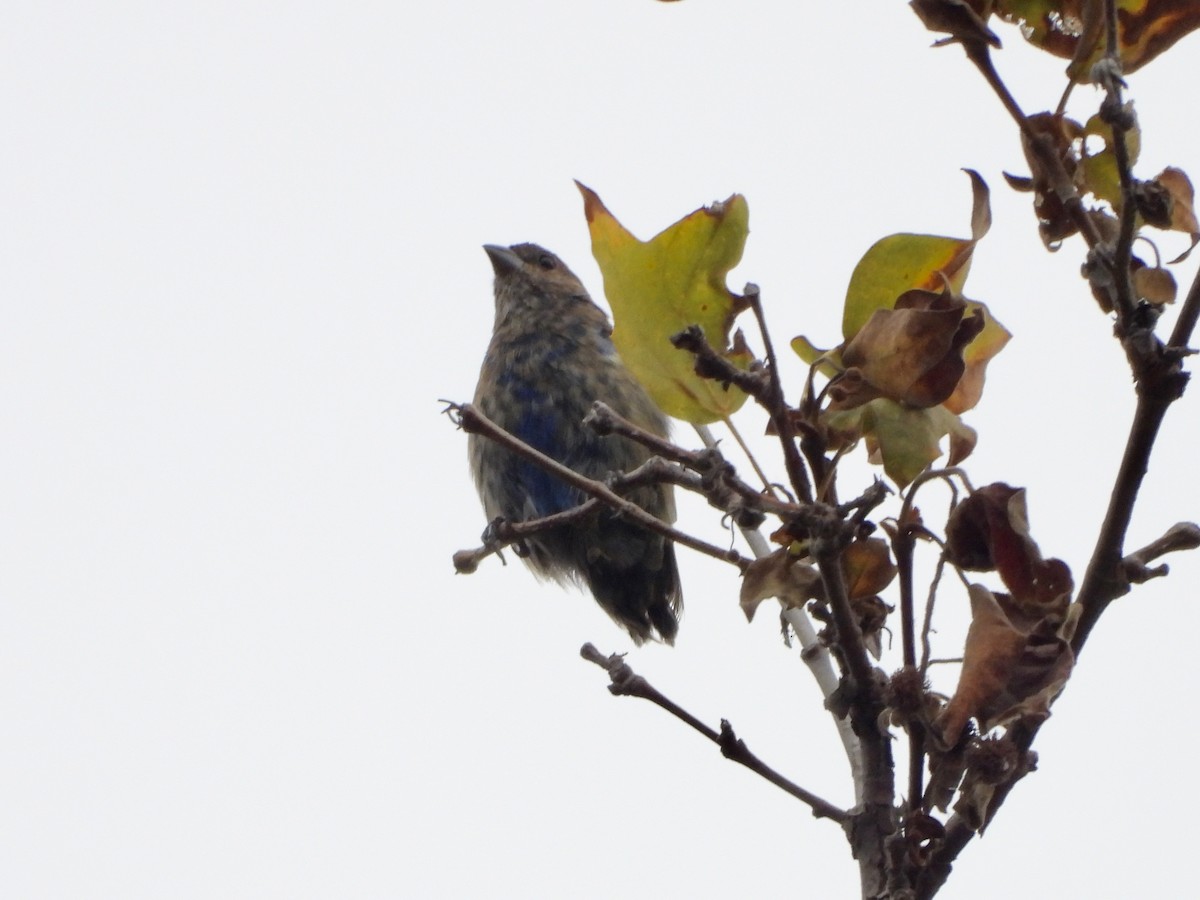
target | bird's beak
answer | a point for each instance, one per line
(503, 259)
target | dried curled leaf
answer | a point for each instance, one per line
(1008, 671)
(1061, 136)
(976, 356)
(1183, 200)
(912, 354)
(990, 762)
(1154, 284)
(782, 576)
(990, 530)
(867, 567)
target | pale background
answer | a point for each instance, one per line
(240, 264)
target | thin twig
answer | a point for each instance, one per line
(1189, 313)
(813, 653)
(1113, 112)
(781, 415)
(927, 624)
(903, 543)
(749, 454)
(1105, 579)
(980, 54)
(475, 422)
(1042, 148)
(625, 682)
(1180, 536)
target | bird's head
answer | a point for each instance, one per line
(531, 276)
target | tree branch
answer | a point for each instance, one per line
(1189, 312)
(625, 682)
(776, 405)
(1180, 536)
(766, 388)
(875, 816)
(473, 421)
(813, 653)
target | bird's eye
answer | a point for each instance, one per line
(547, 262)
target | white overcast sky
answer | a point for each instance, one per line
(240, 264)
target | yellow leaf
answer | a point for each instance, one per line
(976, 356)
(659, 287)
(904, 262)
(1100, 167)
(828, 362)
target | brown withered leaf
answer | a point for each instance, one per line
(871, 613)
(1182, 206)
(1183, 196)
(976, 356)
(992, 649)
(989, 763)
(1154, 204)
(867, 567)
(1009, 670)
(1054, 220)
(779, 575)
(990, 530)
(946, 768)
(1154, 285)
(1035, 679)
(912, 354)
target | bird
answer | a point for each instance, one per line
(550, 357)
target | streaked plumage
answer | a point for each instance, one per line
(550, 358)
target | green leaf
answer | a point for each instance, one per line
(905, 441)
(828, 362)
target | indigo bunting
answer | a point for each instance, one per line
(550, 357)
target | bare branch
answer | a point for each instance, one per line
(1160, 384)
(875, 815)
(625, 682)
(814, 654)
(473, 421)
(1180, 536)
(1189, 312)
(776, 405)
